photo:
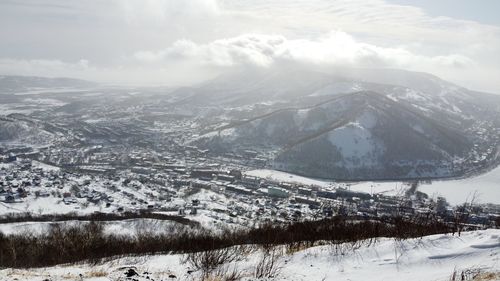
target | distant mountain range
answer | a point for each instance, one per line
(12, 84)
(349, 124)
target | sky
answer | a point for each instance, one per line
(181, 42)
(483, 11)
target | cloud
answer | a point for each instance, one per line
(159, 12)
(152, 41)
(256, 49)
(370, 18)
(333, 48)
(185, 62)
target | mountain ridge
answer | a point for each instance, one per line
(415, 133)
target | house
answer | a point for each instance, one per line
(307, 200)
(204, 173)
(69, 200)
(225, 177)
(239, 189)
(250, 182)
(9, 198)
(277, 192)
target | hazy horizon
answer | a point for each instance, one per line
(175, 43)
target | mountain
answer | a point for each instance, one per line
(12, 84)
(350, 127)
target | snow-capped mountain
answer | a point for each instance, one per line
(415, 125)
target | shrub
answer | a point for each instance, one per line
(268, 265)
(204, 250)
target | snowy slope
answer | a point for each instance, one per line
(362, 135)
(429, 258)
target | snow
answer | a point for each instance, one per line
(47, 205)
(286, 177)
(7, 109)
(229, 134)
(44, 166)
(40, 91)
(414, 95)
(338, 88)
(487, 187)
(433, 257)
(417, 128)
(301, 116)
(125, 227)
(44, 102)
(354, 142)
(386, 188)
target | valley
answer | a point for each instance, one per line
(84, 148)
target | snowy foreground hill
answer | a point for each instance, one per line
(433, 257)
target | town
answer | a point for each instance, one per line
(215, 194)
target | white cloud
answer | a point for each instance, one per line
(186, 62)
(256, 49)
(334, 48)
(160, 12)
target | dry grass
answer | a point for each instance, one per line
(474, 274)
(97, 273)
(488, 276)
(297, 247)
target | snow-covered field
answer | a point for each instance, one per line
(430, 258)
(486, 186)
(387, 188)
(287, 177)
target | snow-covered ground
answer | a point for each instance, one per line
(125, 227)
(41, 91)
(430, 258)
(287, 177)
(387, 188)
(486, 186)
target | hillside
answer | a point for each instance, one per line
(433, 257)
(338, 128)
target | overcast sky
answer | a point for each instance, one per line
(179, 42)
